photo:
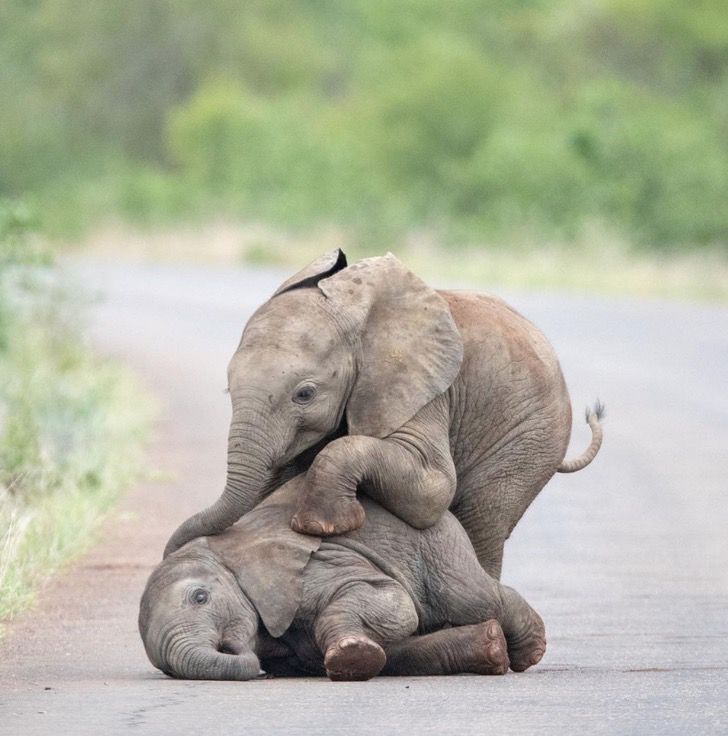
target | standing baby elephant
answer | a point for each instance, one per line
(445, 400)
(373, 601)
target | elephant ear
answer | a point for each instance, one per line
(409, 347)
(268, 558)
(325, 265)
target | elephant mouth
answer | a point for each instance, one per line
(231, 647)
(225, 656)
(221, 662)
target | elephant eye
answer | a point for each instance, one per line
(200, 596)
(304, 394)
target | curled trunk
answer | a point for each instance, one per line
(200, 662)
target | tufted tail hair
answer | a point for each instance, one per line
(594, 415)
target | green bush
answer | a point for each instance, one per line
(71, 426)
(382, 118)
(653, 168)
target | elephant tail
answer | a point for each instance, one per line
(593, 419)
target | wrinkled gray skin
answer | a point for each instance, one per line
(262, 597)
(446, 400)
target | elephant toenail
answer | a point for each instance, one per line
(536, 656)
(307, 526)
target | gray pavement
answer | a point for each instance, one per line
(627, 561)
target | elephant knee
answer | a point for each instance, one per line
(408, 614)
(423, 519)
(392, 614)
(382, 609)
(432, 500)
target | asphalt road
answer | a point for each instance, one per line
(627, 560)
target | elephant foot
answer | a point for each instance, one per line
(344, 515)
(489, 649)
(527, 651)
(354, 657)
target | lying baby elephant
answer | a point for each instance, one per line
(350, 605)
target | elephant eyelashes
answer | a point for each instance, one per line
(200, 596)
(304, 394)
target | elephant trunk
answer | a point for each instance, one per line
(250, 477)
(204, 662)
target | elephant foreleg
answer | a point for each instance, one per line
(353, 628)
(411, 473)
(479, 649)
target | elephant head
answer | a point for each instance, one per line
(367, 345)
(201, 612)
(195, 621)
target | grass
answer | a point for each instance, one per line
(597, 262)
(72, 430)
(72, 444)
(701, 277)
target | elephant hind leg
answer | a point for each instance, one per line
(489, 506)
(485, 529)
(469, 595)
(353, 628)
(479, 649)
(524, 630)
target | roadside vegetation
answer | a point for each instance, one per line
(71, 430)
(601, 263)
(524, 132)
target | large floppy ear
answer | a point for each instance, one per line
(409, 349)
(325, 265)
(268, 558)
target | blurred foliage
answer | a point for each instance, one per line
(71, 425)
(17, 222)
(471, 119)
(20, 258)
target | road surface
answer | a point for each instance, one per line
(627, 560)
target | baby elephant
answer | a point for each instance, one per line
(386, 598)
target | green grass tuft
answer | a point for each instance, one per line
(71, 426)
